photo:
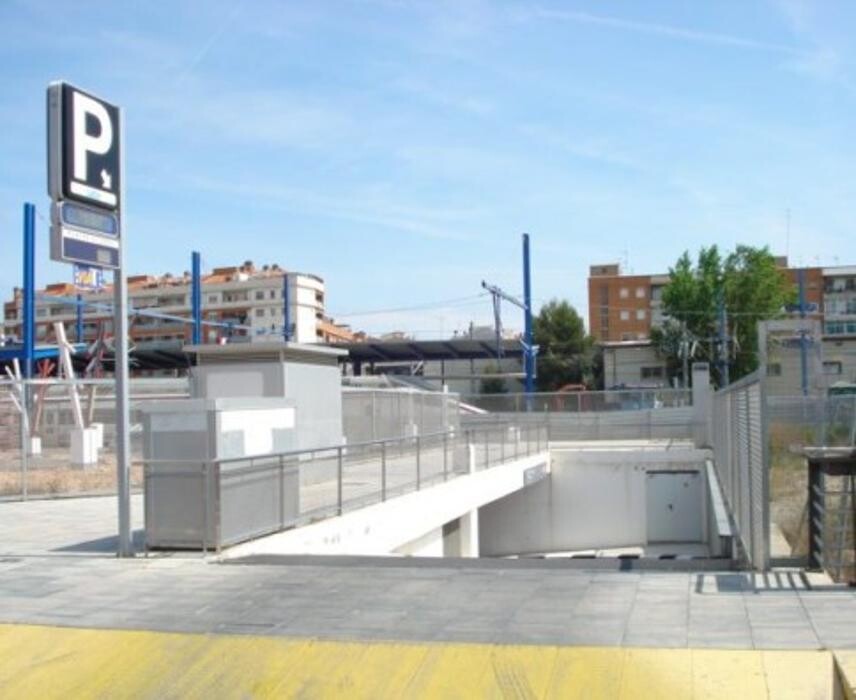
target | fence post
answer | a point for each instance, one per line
(339, 482)
(418, 463)
(502, 446)
(446, 456)
(383, 471)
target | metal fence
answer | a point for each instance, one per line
(214, 503)
(581, 401)
(593, 415)
(795, 423)
(740, 459)
(381, 414)
(36, 455)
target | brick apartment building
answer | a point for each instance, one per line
(624, 308)
(246, 299)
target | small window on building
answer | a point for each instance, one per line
(260, 294)
(274, 311)
(640, 314)
(273, 294)
(774, 369)
(652, 373)
(260, 313)
(212, 299)
(627, 336)
(624, 292)
(625, 316)
(640, 292)
(832, 368)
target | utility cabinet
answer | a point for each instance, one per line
(213, 471)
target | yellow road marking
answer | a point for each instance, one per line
(54, 662)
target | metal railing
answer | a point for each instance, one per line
(581, 401)
(740, 458)
(210, 504)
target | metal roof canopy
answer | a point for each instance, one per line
(415, 350)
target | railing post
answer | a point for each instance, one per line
(446, 456)
(205, 494)
(383, 471)
(418, 463)
(339, 482)
(487, 448)
(281, 493)
(502, 446)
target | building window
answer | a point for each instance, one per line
(273, 294)
(640, 292)
(625, 315)
(274, 311)
(624, 292)
(627, 336)
(260, 294)
(832, 368)
(652, 373)
(260, 313)
(640, 314)
(213, 299)
(774, 369)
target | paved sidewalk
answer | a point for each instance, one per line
(420, 600)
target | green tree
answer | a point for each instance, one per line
(750, 284)
(566, 353)
(491, 384)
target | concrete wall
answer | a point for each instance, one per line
(593, 499)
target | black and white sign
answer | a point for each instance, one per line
(83, 147)
(84, 170)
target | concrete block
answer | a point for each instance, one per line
(84, 447)
(99, 434)
(34, 446)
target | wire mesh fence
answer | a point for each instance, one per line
(39, 454)
(739, 447)
(381, 414)
(580, 401)
(796, 423)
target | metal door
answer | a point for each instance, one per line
(674, 506)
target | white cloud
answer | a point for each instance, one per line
(666, 30)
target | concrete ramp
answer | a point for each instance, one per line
(440, 520)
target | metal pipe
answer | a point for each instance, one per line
(196, 296)
(529, 350)
(339, 477)
(78, 321)
(29, 301)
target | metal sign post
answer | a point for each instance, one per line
(86, 181)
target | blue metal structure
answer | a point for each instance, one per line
(196, 296)
(529, 350)
(29, 306)
(78, 321)
(286, 310)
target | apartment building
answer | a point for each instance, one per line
(245, 302)
(624, 308)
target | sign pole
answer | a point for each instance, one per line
(120, 371)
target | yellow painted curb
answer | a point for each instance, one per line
(54, 662)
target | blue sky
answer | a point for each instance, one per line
(398, 149)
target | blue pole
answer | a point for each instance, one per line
(196, 296)
(529, 351)
(803, 341)
(78, 321)
(286, 310)
(29, 310)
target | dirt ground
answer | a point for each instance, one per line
(50, 474)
